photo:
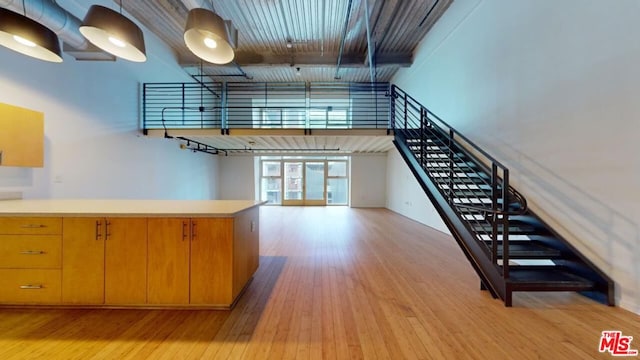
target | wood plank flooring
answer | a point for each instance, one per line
(335, 283)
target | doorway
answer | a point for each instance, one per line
(304, 181)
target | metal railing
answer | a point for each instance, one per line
(474, 184)
(296, 105)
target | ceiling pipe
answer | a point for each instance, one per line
(370, 46)
(49, 14)
(195, 4)
(342, 40)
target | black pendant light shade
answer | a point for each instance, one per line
(28, 37)
(114, 33)
(208, 37)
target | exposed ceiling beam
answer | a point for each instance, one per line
(313, 59)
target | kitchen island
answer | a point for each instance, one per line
(127, 253)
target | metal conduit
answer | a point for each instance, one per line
(344, 36)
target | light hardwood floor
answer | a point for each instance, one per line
(335, 283)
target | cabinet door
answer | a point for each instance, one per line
(83, 260)
(125, 279)
(211, 261)
(168, 261)
(22, 137)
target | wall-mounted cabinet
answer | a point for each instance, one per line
(21, 137)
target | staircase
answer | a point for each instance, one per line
(508, 245)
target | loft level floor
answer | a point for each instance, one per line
(335, 283)
(283, 140)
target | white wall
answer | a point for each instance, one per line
(368, 180)
(550, 88)
(405, 195)
(93, 148)
(237, 177)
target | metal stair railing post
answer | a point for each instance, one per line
(392, 109)
(423, 138)
(405, 111)
(144, 106)
(451, 173)
(505, 222)
(494, 214)
(224, 112)
(183, 103)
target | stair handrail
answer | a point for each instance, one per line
(408, 122)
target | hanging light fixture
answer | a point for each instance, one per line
(28, 37)
(209, 37)
(114, 33)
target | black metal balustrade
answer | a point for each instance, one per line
(489, 219)
(266, 105)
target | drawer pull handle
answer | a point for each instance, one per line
(31, 287)
(32, 252)
(33, 226)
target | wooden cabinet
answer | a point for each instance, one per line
(30, 259)
(246, 252)
(127, 261)
(104, 261)
(191, 261)
(83, 261)
(125, 280)
(211, 261)
(168, 260)
(21, 137)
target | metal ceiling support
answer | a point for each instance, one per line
(429, 13)
(342, 40)
(370, 46)
(49, 14)
(242, 71)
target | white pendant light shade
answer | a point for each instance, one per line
(28, 37)
(114, 33)
(206, 35)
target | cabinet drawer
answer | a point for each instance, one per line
(30, 251)
(30, 286)
(31, 225)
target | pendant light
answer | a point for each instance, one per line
(28, 37)
(209, 37)
(114, 33)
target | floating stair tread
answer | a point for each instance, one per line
(547, 278)
(529, 250)
(512, 228)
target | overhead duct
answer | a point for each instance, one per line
(60, 21)
(193, 4)
(52, 16)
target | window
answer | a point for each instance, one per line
(304, 180)
(337, 183)
(271, 182)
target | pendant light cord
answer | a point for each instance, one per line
(24, 8)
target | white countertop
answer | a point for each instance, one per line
(145, 208)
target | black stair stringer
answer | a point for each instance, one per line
(490, 275)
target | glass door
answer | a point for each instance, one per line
(314, 183)
(300, 181)
(293, 180)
